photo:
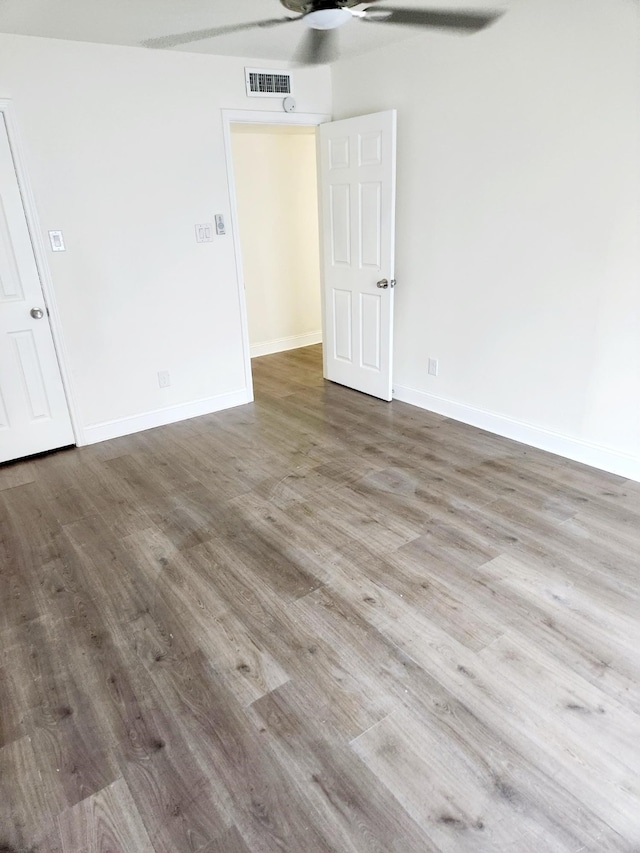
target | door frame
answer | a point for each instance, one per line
(7, 111)
(230, 117)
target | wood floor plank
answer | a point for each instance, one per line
(230, 842)
(452, 791)
(105, 822)
(31, 529)
(295, 645)
(27, 813)
(262, 798)
(248, 669)
(333, 779)
(16, 474)
(584, 607)
(72, 766)
(599, 723)
(12, 711)
(391, 581)
(103, 563)
(178, 802)
(59, 478)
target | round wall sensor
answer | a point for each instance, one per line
(289, 105)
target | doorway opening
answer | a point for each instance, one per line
(276, 188)
(273, 183)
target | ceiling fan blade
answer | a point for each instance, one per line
(450, 19)
(317, 47)
(212, 32)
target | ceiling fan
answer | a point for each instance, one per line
(324, 17)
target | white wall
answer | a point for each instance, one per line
(124, 148)
(276, 189)
(518, 222)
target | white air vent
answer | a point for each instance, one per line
(267, 84)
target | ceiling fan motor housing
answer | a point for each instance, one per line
(303, 7)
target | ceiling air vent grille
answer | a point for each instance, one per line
(267, 84)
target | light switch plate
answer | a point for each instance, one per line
(57, 241)
(204, 233)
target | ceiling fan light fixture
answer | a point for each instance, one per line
(327, 19)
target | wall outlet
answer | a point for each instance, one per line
(164, 378)
(433, 367)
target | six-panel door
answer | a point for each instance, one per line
(357, 188)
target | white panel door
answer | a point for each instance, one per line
(34, 416)
(357, 173)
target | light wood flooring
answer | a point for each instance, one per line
(318, 623)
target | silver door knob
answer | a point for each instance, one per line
(37, 313)
(383, 283)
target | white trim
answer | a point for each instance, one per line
(162, 417)
(230, 117)
(596, 455)
(283, 344)
(321, 237)
(40, 255)
(273, 117)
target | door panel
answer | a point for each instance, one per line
(339, 152)
(370, 149)
(28, 363)
(370, 335)
(4, 419)
(10, 286)
(340, 225)
(370, 225)
(342, 337)
(357, 182)
(34, 416)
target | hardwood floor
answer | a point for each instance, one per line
(318, 623)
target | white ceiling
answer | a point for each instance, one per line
(132, 22)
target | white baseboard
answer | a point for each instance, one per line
(161, 417)
(596, 455)
(282, 344)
